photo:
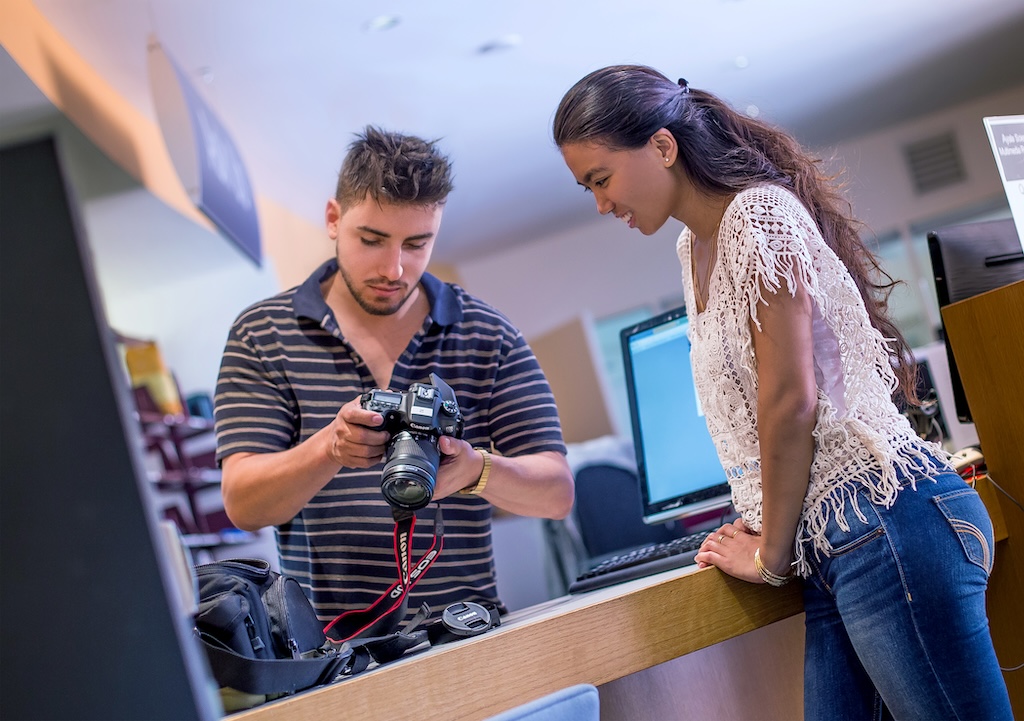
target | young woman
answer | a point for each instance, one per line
(796, 366)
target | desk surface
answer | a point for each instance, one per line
(592, 638)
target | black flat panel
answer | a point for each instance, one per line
(88, 628)
(968, 260)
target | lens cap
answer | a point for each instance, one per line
(462, 620)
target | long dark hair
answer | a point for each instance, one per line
(724, 152)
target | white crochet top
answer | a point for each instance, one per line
(767, 236)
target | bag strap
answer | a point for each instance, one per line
(390, 646)
(385, 614)
(273, 676)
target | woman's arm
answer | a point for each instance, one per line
(786, 411)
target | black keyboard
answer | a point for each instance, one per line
(640, 562)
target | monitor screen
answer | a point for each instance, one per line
(677, 464)
(967, 260)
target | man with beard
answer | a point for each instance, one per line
(301, 454)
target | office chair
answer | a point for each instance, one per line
(608, 512)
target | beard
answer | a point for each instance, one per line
(372, 307)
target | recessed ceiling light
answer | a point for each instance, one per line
(753, 111)
(741, 61)
(505, 42)
(383, 22)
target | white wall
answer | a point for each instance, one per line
(183, 288)
(600, 268)
(880, 186)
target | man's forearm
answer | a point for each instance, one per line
(267, 489)
(537, 485)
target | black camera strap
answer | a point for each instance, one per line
(385, 614)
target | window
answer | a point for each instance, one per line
(912, 304)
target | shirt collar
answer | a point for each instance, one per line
(445, 308)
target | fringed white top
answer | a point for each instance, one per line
(767, 238)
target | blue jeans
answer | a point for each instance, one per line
(895, 618)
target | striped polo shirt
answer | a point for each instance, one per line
(287, 370)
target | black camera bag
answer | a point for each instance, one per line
(260, 632)
(262, 636)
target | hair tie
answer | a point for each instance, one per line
(684, 85)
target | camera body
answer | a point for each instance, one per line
(415, 420)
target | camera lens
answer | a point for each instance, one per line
(410, 470)
(406, 491)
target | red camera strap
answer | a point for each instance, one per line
(385, 614)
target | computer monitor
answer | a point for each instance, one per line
(968, 260)
(677, 464)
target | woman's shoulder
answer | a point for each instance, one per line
(767, 211)
(766, 200)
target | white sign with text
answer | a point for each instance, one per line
(1006, 133)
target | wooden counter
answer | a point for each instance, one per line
(594, 638)
(987, 334)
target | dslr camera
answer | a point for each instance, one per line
(416, 419)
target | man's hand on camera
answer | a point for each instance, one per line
(352, 441)
(461, 466)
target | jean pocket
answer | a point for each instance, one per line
(852, 544)
(853, 526)
(969, 520)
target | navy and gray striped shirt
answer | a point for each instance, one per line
(287, 370)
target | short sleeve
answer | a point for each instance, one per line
(253, 410)
(767, 238)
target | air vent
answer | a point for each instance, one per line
(935, 163)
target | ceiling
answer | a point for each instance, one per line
(292, 81)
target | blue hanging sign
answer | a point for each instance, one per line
(203, 154)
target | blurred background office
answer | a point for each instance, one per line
(895, 91)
